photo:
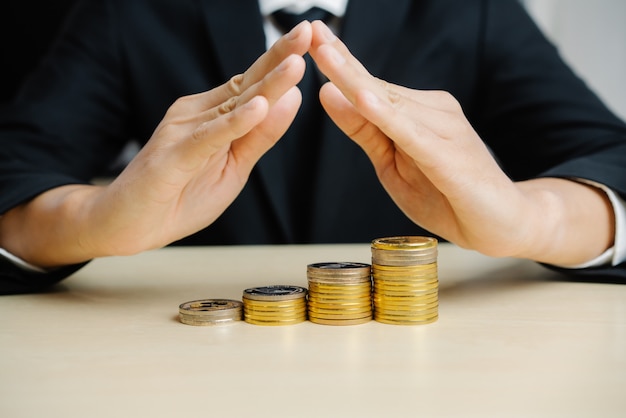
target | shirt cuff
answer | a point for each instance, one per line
(20, 263)
(616, 254)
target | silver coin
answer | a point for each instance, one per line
(275, 292)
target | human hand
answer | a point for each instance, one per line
(192, 168)
(442, 176)
(202, 152)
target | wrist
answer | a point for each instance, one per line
(569, 223)
(46, 231)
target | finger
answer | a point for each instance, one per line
(295, 42)
(331, 55)
(273, 86)
(341, 67)
(212, 136)
(391, 108)
(367, 135)
(391, 163)
(251, 147)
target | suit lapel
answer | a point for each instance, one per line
(370, 29)
(236, 30)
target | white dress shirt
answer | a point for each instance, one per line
(272, 33)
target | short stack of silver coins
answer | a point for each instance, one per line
(210, 312)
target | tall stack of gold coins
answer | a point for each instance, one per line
(406, 284)
(210, 312)
(339, 293)
(275, 305)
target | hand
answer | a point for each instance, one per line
(192, 168)
(439, 172)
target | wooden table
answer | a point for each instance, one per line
(511, 341)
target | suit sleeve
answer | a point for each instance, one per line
(69, 120)
(65, 126)
(540, 118)
(16, 280)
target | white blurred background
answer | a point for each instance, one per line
(591, 36)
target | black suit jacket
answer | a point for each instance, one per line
(119, 65)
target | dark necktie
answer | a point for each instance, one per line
(300, 145)
(286, 20)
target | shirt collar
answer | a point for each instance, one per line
(336, 7)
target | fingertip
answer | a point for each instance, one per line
(367, 99)
(294, 60)
(329, 93)
(321, 33)
(301, 35)
(300, 29)
(371, 106)
(256, 104)
(292, 98)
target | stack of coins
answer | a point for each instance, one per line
(406, 285)
(210, 312)
(275, 305)
(339, 293)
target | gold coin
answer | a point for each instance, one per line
(402, 258)
(391, 313)
(405, 293)
(342, 310)
(362, 281)
(340, 322)
(417, 278)
(405, 311)
(344, 287)
(407, 321)
(340, 302)
(291, 312)
(274, 305)
(340, 316)
(400, 278)
(415, 285)
(405, 280)
(394, 274)
(276, 312)
(339, 305)
(346, 299)
(407, 306)
(382, 268)
(404, 242)
(416, 294)
(276, 322)
(285, 319)
(338, 295)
